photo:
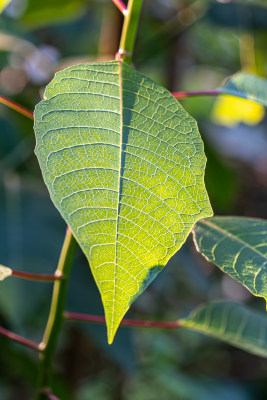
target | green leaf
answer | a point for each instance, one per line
(124, 165)
(238, 246)
(232, 323)
(4, 4)
(4, 272)
(247, 86)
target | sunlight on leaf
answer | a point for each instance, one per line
(231, 111)
(232, 323)
(124, 165)
(4, 272)
(3, 4)
(238, 246)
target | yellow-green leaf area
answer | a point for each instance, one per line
(4, 4)
(124, 165)
(238, 246)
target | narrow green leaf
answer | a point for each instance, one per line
(4, 272)
(4, 4)
(124, 164)
(247, 86)
(231, 323)
(238, 246)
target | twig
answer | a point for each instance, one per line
(19, 339)
(182, 95)
(97, 319)
(17, 107)
(121, 6)
(37, 277)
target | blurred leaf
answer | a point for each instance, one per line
(247, 86)
(231, 323)
(42, 13)
(237, 15)
(238, 246)
(115, 148)
(4, 272)
(3, 4)
(231, 111)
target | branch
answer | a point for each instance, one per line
(52, 330)
(125, 322)
(19, 339)
(38, 277)
(129, 31)
(17, 107)
(182, 95)
(121, 6)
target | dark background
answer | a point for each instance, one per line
(184, 45)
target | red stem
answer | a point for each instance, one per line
(182, 95)
(17, 107)
(50, 395)
(36, 277)
(19, 339)
(97, 319)
(121, 6)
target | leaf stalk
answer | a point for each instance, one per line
(19, 339)
(17, 107)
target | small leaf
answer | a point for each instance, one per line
(231, 323)
(238, 246)
(124, 165)
(4, 272)
(247, 86)
(4, 4)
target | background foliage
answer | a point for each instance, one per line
(183, 45)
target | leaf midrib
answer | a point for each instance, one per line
(119, 193)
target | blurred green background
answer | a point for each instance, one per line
(184, 45)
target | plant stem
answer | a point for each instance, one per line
(121, 6)
(19, 339)
(182, 95)
(37, 277)
(53, 326)
(129, 30)
(125, 322)
(17, 107)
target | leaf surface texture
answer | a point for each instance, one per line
(124, 165)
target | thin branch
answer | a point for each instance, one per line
(97, 319)
(121, 6)
(17, 107)
(182, 95)
(19, 339)
(50, 395)
(37, 277)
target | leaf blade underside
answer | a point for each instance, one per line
(247, 86)
(232, 323)
(124, 165)
(238, 246)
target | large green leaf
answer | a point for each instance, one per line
(247, 86)
(238, 246)
(232, 323)
(124, 165)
